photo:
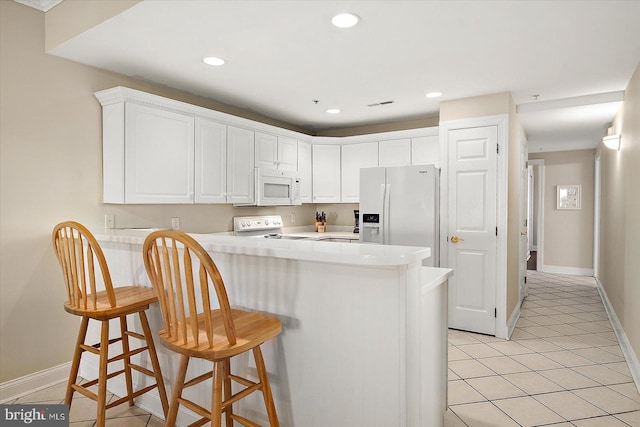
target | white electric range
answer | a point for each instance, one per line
(266, 226)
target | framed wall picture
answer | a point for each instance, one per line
(569, 197)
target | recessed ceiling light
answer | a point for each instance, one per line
(212, 60)
(433, 94)
(345, 20)
(333, 111)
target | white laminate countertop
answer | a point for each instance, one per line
(304, 249)
(313, 235)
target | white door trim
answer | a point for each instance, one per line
(539, 183)
(502, 123)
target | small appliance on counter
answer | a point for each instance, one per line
(356, 228)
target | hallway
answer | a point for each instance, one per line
(563, 366)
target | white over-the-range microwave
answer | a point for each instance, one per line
(275, 188)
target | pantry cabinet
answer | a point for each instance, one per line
(276, 152)
(210, 161)
(355, 157)
(240, 165)
(326, 173)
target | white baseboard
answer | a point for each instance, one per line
(629, 355)
(19, 387)
(513, 319)
(557, 269)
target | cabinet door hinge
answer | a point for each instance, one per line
(496, 231)
(498, 148)
(495, 312)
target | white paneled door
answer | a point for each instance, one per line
(472, 229)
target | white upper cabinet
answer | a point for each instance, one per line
(158, 156)
(240, 166)
(266, 150)
(425, 150)
(304, 172)
(162, 151)
(396, 152)
(355, 157)
(326, 173)
(287, 154)
(210, 161)
(275, 152)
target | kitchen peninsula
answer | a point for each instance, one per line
(364, 337)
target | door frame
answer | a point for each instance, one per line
(523, 290)
(538, 172)
(502, 123)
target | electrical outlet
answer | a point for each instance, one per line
(175, 223)
(293, 218)
(109, 221)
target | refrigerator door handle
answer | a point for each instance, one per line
(385, 215)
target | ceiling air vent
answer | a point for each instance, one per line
(377, 104)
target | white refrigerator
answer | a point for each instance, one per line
(400, 206)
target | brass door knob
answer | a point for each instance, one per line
(456, 239)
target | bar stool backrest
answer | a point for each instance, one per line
(79, 255)
(171, 258)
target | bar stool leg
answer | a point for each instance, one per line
(127, 358)
(266, 388)
(228, 392)
(177, 391)
(216, 403)
(75, 364)
(154, 362)
(102, 375)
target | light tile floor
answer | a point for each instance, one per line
(563, 367)
(83, 410)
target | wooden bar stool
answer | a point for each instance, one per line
(79, 255)
(193, 329)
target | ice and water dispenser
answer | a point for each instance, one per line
(371, 228)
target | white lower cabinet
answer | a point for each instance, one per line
(326, 173)
(158, 150)
(355, 157)
(240, 165)
(210, 161)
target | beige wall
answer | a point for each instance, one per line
(382, 127)
(51, 170)
(568, 234)
(619, 266)
(70, 18)
(477, 106)
(489, 105)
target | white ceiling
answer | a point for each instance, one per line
(282, 55)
